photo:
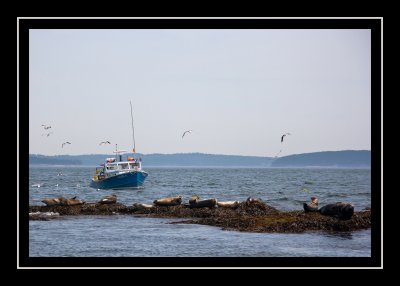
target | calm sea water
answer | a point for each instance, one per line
(126, 235)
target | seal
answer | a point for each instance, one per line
(312, 207)
(52, 201)
(194, 199)
(340, 210)
(142, 206)
(170, 201)
(73, 202)
(228, 204)
(251, 200)
(108, 200)
(204, 204)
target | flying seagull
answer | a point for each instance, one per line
(46, 126)
(62, 145)
(284, 136)
(187, 131)
(47, 134)
(105, 142)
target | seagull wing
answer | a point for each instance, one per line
(187, 131)
(62, 145)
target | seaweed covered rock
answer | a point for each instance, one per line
(85, 209)
(255, 207)
(251, 215)
(288, 222)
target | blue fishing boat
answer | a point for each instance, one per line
(121, 174)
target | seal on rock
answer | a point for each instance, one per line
(340, 210)
(228, 204)
(210, 203)
(312, 207)
(108, 200)
(170, 201)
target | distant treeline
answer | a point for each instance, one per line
(318, 159)
(326, 159)
(52, 160)
(187, 159)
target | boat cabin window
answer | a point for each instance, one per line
(134, 165)
(123, 166)
(112, 167)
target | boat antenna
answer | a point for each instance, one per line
(133, 130)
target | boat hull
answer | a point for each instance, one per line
(129, 180)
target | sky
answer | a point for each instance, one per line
(238, 90)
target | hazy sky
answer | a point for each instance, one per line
(238, 90)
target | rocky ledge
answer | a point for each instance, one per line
(250, 215)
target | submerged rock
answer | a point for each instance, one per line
(43, 215)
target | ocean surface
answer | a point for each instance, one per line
(133, 236)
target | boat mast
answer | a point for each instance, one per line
(117, 153)
(133, 130)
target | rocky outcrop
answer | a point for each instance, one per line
(251, 215)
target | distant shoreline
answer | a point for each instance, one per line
(203, 167)
(327, 159)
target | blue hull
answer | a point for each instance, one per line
(122, 181)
